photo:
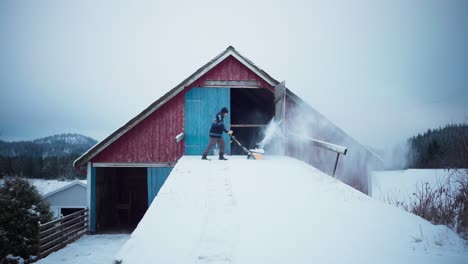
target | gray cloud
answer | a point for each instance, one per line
(381, 71)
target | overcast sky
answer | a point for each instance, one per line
(381, 70)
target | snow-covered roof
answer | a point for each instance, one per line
(69, 185)
(46, 187)
(244, 211)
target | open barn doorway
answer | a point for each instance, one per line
(251, 110)
(121, 198)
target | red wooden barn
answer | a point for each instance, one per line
(127, 169)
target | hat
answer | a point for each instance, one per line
(224, 110)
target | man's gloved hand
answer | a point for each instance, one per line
(230, 132)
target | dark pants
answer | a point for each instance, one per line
(213, 141)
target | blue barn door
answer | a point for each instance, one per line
(155, 180)
(92, 209)
(201, 106)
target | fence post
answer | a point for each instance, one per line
(61, 230)
(39, 240)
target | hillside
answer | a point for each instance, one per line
(50, 157)
(53, 146)
(278, 210)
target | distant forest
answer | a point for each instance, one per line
(39, 167)
(52, 157)
(46, 158)
(445, 147)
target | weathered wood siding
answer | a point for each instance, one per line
(155, 180)
(152, 140)
(230, 69)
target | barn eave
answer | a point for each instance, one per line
(230, 51)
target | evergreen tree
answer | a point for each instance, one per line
(440, 148)
(22, 208)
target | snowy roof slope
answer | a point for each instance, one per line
(47, 186)
(278, 210)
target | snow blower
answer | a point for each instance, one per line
(256, 154)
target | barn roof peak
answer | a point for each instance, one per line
(229, 51)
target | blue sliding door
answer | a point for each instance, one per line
(92, 209)
(201, 106)
(156, 178)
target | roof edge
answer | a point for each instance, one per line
(100, 146)
(73, 183)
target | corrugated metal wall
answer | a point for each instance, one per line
(201, 106)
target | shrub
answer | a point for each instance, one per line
(446, 203)
(22, 208)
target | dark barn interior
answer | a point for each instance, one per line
(122, 198)
(251, 111)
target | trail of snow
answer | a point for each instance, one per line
(217, 241)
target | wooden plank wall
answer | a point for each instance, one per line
(152, 140)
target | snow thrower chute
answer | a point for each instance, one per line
(256, 154)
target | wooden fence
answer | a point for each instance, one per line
(58, 233)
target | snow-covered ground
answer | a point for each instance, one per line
(399, 185)
(93, 249)
(278, 210)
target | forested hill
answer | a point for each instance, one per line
(445, 147)
(58, 146)
(49, 157)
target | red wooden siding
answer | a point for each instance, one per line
(152, 140)
(230, 69)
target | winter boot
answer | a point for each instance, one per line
(221, 156)
(204, 157)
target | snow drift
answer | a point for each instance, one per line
(278, 210)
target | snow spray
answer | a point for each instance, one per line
(270, 132)
(273, 138)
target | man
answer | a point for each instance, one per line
(216, 133)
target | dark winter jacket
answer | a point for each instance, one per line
(217, 127)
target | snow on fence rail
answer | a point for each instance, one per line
(325, 145)
(58, 233)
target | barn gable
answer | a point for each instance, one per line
(127, 169)
(149, 137)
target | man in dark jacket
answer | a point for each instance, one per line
(216, 133)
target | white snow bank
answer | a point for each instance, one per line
(95, 249)
(400, 185)
(278, 210)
